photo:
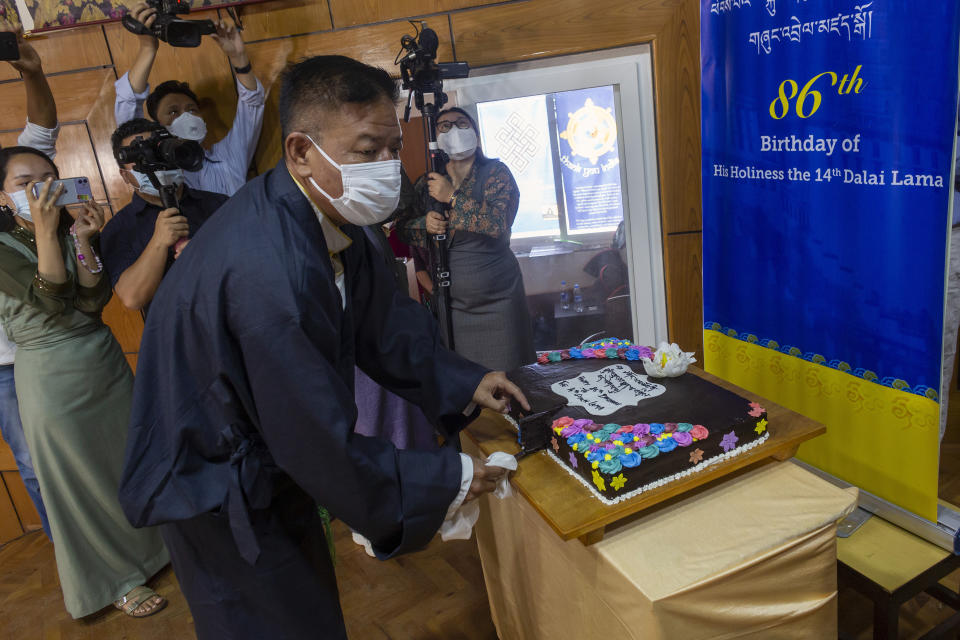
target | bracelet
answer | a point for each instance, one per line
(80, 257)
(242, 70)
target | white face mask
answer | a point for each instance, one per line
(188, 127)
(459, 144)
(371, 190)
(20, 204)
(168, 176)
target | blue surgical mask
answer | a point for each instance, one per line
(168, 176)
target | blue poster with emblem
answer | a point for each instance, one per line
(589, 159)
(828, 132)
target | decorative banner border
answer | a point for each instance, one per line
(880, 427)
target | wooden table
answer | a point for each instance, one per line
(890, 566)
(573, 512)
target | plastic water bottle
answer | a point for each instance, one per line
(577, 299)
(564, 295)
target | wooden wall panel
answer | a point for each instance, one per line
(683, 260)
(348, 13)
(29, 517)
(540, 28)
(76, 157)
(676, 57)
(7, 72)
(284, 18)
(270, 58)
(75, 94)
(101, 124)
(72, 49)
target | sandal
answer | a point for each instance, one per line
(139, 598)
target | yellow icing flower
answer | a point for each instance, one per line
(618, 482)
(575, 446)
(607, 456)
(636, 438)
(761, 426)
(628, 450)
(596, 464)
(598, 480)
(590, 437)
(619, 442)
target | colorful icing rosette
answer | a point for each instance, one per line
(588, 353)
(666, 445)
(543, 358)
(630, 458)
(565, 354)
(560, 424)
(656, 429)
(641, 429)
(554, 356)
(610, 464)
(576, 353)
(683, 438)
(651, 451)
(699, 432)
(576, 440)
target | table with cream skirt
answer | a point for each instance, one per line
(752, 556)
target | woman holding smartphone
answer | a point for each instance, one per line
(74, 388)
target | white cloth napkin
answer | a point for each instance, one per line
(459, 524)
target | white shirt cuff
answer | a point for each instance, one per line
(470, 408)
(466, 478)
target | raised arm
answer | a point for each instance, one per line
(133, 87)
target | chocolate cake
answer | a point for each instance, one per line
(621, 432)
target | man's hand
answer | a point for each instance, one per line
(484, 479)
(145, 15)
(230, 40)
(440, 187)
(495, 390)
(435, 223)
(29, 60)
(170, 227)
(179, 247)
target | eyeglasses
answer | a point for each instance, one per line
(446, 125)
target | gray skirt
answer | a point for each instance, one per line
(491, 324)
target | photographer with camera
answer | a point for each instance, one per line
(141, 242)
(175, 106)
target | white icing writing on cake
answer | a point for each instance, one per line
(607, 390)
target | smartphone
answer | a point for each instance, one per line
(75, 190)
(8, 46)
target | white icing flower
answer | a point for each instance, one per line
(669, 361)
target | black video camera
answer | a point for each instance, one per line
(162, 151)
(419, 68)
(168, 27)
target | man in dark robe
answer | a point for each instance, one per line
(243, 408)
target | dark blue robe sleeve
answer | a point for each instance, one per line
(398, 345)
(305, 414)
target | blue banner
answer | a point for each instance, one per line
(828, 137)
(589, 159)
